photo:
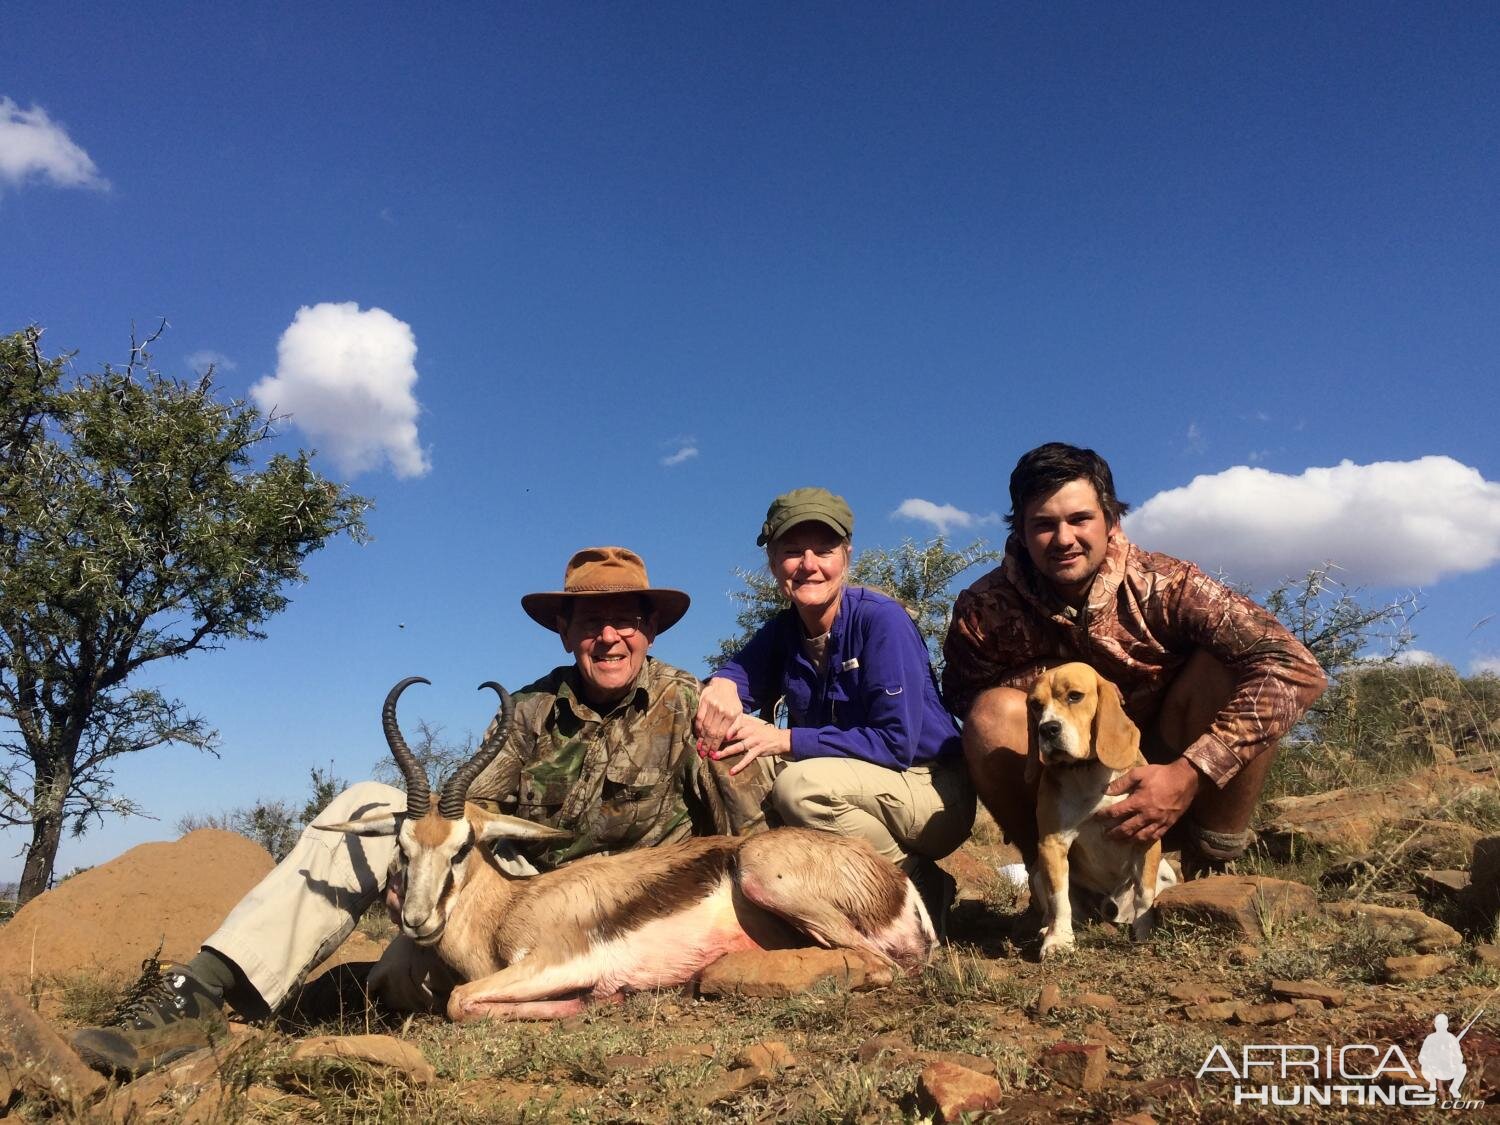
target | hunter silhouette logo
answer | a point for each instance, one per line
(1360, 1074)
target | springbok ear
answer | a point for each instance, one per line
(1117, 741)
(498, 826)
(386, 824)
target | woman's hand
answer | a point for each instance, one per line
(718, 708)
(753, 738)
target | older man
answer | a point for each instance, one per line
(1212, 679)
(602, 747)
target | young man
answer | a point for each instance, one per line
(1211, 678)
(602, 747)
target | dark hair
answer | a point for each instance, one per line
(1048, 467)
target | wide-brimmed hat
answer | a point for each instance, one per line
(598, 572)
(806, 505)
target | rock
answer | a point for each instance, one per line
(887, 1052)
(35, 1061)
(626, 1064)
(1050, 997)
(1099, 1033)
(1238, 903)
(1196, 992)
(107, 920)
(969, 1062)
(1418, 966)
(686, 1052)
(384, 1053)
(1346, 822)
(1219, 1011)
(1079, 1065)
(188, 1090)
(1325, 995)
(950, 1090)
(1442, 882)
(1487, 954)
(771, 1056)
(1258, 1015)
(789, 972)
(1244, 955)
(1424, 934)
(1309, 1007)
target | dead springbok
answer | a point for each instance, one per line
(546, 946)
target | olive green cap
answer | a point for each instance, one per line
(803, 505)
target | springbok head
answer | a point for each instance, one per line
(434, 844)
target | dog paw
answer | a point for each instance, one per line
(1054, 944)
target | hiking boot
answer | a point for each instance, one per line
(166, 1014)
(938, 890)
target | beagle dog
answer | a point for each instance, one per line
(1080, 741)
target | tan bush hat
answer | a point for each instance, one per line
(806, 505)
(597, 572)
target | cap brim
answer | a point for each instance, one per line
(544, 609)
(804, 516)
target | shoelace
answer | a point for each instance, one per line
(150, 989)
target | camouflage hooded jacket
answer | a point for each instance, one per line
(629, 778)
(1145, 615)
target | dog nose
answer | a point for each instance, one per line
(1050, 729)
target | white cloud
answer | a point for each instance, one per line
(687, 449)
(1195, 442)
(203, 360)
(1387, 523)
(1485, 666)
(32, 145)
(1418, 657)
(944, 517)
(346, 378)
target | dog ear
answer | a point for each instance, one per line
(1033, 771)
(1117, 741)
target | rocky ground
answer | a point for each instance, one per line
(1367, 913)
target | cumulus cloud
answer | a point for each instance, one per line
(1418, 657)
(685, 450)
(346, 376)
(1391, 523)
(33, 146)
(944, 517)
(203, 360)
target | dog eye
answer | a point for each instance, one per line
(1075, 697)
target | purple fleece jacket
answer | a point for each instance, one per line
(877, 699)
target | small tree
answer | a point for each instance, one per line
(919, 575)
(438, 757)
(132, 529)
(274, 824)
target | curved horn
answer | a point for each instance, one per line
(418, 796)
(451, 803)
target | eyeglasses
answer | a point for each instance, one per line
(625, 626)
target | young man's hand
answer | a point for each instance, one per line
(1158, 796)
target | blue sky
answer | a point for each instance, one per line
(579, 274)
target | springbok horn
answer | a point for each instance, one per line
(418, 796)
(451, 803)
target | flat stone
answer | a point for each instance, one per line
(1259, 1015)
(1418, 966)
(1196, 992)
(1442, 882)
(790, 972)
(1102, 1001)
(1325, 995)
(770, 1055)
(382, 1052)
(1098, 1033)
(1487, 954)
(1422, 933)
(1309, 1007)
(1237, 903)
(1079, 1065)
(951, 1091)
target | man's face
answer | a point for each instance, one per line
(1066, 534)
(608, 638)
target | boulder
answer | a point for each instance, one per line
(950, 1091)
(1238, 903)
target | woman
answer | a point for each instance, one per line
(871, 751)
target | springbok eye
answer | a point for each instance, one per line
(463, 851)
(1075, 697)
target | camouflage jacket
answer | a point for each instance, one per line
(629, 778)
(1145, 615)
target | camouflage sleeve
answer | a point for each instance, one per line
(499, 782)
(1276, 677)
(984, 648)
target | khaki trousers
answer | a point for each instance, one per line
(906, 815)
